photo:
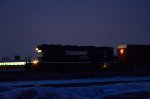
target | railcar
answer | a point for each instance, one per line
(134, 57)
(134, 54)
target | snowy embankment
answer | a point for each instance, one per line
(8, 90)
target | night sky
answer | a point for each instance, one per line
(24, 24)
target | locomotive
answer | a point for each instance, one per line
(71, 58)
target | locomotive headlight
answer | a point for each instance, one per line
(35, 61)
(121, 51)
(38, 50)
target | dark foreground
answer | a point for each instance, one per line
(25, 76)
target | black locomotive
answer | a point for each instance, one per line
(58, 53)
(71, 58)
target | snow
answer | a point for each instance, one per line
(8, 90)
(102, 80)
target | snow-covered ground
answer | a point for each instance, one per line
(9, 90)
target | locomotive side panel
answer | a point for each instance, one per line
(58, 53)
(68, 58)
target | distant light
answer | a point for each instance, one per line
(121, 51)
(11, 63)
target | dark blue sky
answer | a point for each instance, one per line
(27, 23)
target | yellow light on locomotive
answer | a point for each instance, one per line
(36, 49)
(35, 61)
(39, 51)
(105, 65)
(121, 51)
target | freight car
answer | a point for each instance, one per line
(135, 58)
(72, 58)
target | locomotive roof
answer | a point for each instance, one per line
(69, 46)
